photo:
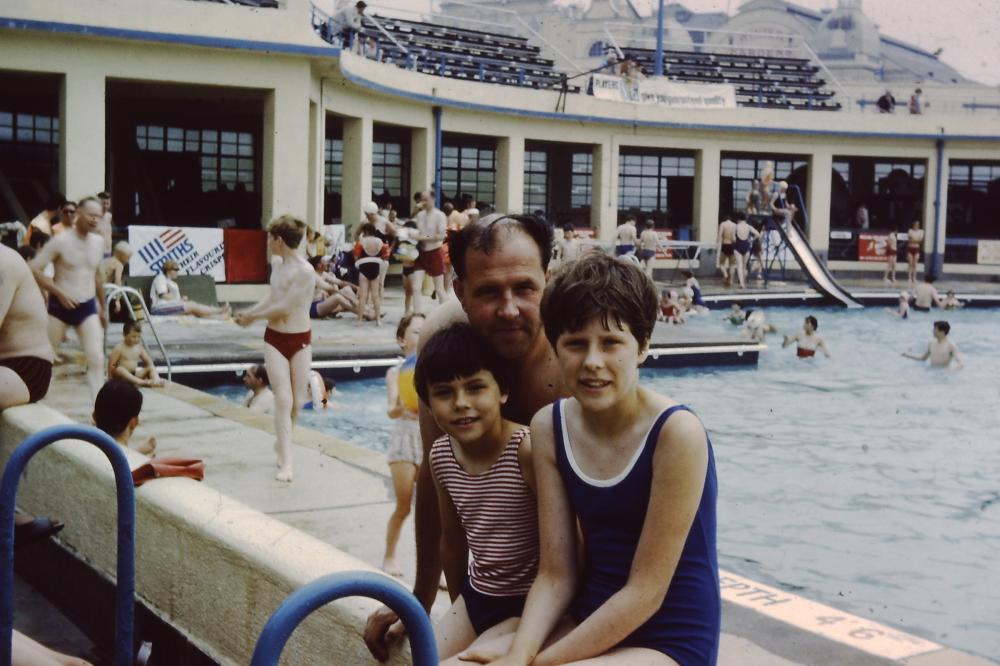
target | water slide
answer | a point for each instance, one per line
(816, 270)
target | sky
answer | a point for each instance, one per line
(967, 30)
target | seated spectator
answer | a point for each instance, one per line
(113, 268)
(315, 244)
(130, 361)
(331, 295)
(116, 412)
(260, 398)
(166, 299)
(886, 103)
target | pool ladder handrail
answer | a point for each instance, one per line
(113, 291)
(125, 575)
(299, 604)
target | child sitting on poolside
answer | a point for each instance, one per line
(636, 470)
(485, 488)
(405, 449)
(130, 361)
(671, 310)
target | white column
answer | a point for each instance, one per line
(285, 186)
(818, 202)
(930, 219)
(510, 174)
(708, 163)
(421, 160)
(357, 187)
(604, 190)
(82, 156)
(317, 164)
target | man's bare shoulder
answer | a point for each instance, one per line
(13, 269)
(448, 313)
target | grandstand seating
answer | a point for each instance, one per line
(761, 81)
(458, 53)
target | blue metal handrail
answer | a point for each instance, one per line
(125, 589)
(320, 592)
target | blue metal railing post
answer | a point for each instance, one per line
(658, 65)
(936, 260)
(125, 588)
(438, 154)
(320, 592)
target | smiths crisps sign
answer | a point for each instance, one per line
(196, 251)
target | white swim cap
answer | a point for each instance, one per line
(370, 208)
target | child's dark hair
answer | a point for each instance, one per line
(368, 229)
(687, 275)
(650, 224)
(260, 372)
(457, 351)
(117, 403)
(404, 324)
(812, 320)
(569, 229)
(130, 326)
(943, 326)
(484, 236)
(600, 286)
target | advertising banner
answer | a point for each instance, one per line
(661, 251)
(872, 247)
(988, 252)
(196, 251)
(664, 92)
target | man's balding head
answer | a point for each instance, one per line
(486, 233)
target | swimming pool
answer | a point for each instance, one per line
(865, 481)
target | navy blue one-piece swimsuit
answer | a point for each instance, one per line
(612, 512)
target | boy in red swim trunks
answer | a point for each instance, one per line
(288, 336)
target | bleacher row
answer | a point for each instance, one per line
(763, 82)
(459, 53)
(462, 53)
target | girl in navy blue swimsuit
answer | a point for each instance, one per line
(636, 469)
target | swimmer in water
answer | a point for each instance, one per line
(757, 326)
(736, 315)
(807, 342)
(903, 310)
(942, 352)
(259, 398)
(950, 302)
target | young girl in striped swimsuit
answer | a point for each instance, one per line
(485, 487)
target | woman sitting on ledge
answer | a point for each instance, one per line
(165, 297)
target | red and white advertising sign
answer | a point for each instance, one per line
(664, 252)
(872, 247)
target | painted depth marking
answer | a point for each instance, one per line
(871, 637)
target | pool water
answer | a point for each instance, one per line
(866, 481)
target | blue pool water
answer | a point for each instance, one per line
(865, 481)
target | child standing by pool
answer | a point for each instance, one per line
(485, 487)
(405, 448)
(636, 470)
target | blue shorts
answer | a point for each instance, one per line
(646, 255)
(624, 248)
(487, 610)
(313, 310)
(168, 308)
(72, 316)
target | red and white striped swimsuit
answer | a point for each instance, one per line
(499, 515)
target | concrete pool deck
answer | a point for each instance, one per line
(342, 496)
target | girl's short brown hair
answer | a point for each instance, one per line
(289, 229)
(597, 285)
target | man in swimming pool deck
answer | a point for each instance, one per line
(807, 342)
(25, 352)
(288, 336)
(941, 350)
(74, 291)
(501, 300)
(726, 249)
